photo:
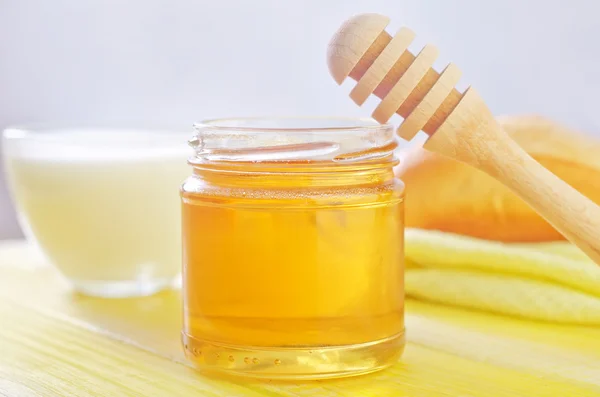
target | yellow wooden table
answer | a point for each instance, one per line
(56, 343)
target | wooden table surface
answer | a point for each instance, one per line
(56, 343)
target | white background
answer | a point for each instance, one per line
(179, 61)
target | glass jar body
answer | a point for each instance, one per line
(295, 271)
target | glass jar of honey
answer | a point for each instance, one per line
(293, 262)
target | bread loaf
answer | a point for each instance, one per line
(446, 195)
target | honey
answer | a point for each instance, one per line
(293, 261)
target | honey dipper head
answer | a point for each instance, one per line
(382, 65)
(351, 42)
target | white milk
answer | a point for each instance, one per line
(103, 205)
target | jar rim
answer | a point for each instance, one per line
(282, 138)
(328, 123)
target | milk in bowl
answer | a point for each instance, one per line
(101, 203)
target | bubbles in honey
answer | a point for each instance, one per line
(255, 361)
(231, 358)
(247, 360)
(277, 361)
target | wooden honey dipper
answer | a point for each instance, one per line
(459, 124)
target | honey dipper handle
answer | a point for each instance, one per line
(472, 135)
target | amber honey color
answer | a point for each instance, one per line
(293, 269)
(290, 268)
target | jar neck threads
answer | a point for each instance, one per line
(291, 139)
(294, 151)
(296, 175)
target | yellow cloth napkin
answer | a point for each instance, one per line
(546, 281)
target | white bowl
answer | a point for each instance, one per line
(102, 204)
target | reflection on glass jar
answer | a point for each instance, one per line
(293, 248)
